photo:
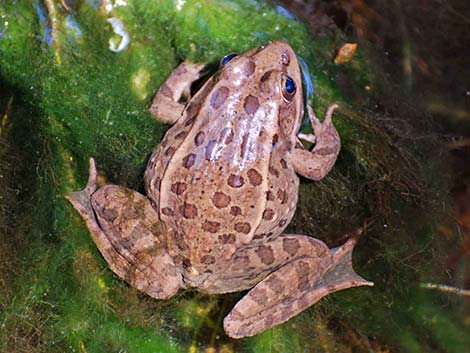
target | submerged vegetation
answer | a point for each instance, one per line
(77, 79)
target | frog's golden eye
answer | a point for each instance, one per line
(227, 58)
(288, 87)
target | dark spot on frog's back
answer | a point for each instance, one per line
(227, 238)
(191, 112)
(265, 76)
(199, 139)
(242, 227)
(249, 68)
(266, 254)
(254, 177)
(269, 196)
(188, 210)
(220, 199)
(211, 227)
(170, 151)
(268, 214)
(192, 109)
(178, 188)
(235, 211)
(251, 105)
(219, 96)
(235, 181)
(189, 160)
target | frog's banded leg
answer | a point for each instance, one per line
(166, 106)
(317, 163)
(292, 287)
(129, 235)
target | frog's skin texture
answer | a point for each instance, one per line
(221, 188)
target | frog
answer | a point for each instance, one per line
(221, 187)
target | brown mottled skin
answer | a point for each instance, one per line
(221, 188)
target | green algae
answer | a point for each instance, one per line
(83, 100)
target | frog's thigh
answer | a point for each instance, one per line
(317, 163)
(295, 286)
(129, 235)
(166, 106)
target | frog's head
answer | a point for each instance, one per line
(271, 74)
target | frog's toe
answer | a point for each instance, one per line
(291, 289)
(129, 235)
(81, 200)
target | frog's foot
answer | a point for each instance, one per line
(317, 163)
(291, 289)
(129, 235)
(166, 106)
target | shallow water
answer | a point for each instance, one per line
(77, 80)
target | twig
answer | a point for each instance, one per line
(455, 145)
(445, 288)
(54, 28)
(65, 6)
(82, 346)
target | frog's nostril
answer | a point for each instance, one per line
(285, 60)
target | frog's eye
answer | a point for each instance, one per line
(227, 58)
(288, 87)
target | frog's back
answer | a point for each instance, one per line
(214, 188)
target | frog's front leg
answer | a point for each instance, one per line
(129, 235)
(166, 106)
(309, 271)
(317, 163)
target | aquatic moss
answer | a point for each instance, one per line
(74, 98)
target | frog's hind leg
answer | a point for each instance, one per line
(294, 287)
(129, 235)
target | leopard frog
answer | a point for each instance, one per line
(220, 189)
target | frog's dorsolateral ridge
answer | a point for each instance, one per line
(221, 187)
